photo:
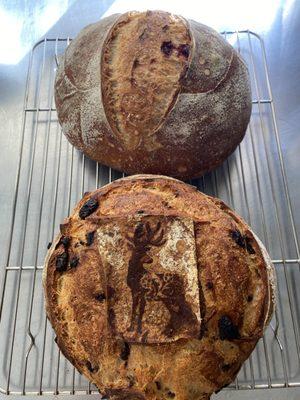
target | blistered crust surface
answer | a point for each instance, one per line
(235, 291)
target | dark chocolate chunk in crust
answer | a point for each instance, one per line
(90, 238)
(227, 329)
(125, 352)
(88, 208)
(62, 262)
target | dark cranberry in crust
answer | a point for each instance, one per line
(65, 240)
(90, 238)
(92, 368)
(227, 329)
(242, 241)
(184, 50)
(125, 352)
(100, 297)
(88, 208)
(74, 262)
(62, 262)
(167, 48)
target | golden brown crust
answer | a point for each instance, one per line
(235, 292)
(180, 115)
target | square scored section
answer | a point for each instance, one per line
(151, 277)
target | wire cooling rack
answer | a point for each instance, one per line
(52, 176)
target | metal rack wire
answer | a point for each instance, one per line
(52, 176)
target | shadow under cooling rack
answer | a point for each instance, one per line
(52, 176)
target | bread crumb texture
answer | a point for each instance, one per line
(157, 291)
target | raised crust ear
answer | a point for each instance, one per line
(211, 60)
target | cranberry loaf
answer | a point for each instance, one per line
(157, 291)
(153, 92)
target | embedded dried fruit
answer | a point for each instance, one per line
(227, 329)
(90, 238)
(238, 238)
(209, 285)
(100, 296)
(74, 262)
(184, 50)
(249, 247)
(88, 208)
(125, 352)
(92, 368)
(167, 48)
(65, 240)
(62, 262)
(158, 385)
(226, 367)
(171, 394)
(242, 241)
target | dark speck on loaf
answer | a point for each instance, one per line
(125, 352)
(184, 50)
(88, 208)
(90, 238)
(167, 48)
(209, 285)
(91, 367)
(242, 241)
(74, 262)
(65, 240)
(226, 367)
(62, 262)
(100, 296)
(49, 245)
(227, 329)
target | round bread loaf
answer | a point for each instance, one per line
(157, 291)
(152, 92)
